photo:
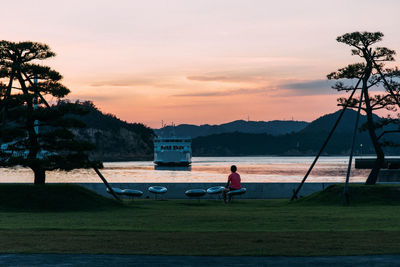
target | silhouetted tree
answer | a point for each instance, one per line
(32, 132)
(362, 44)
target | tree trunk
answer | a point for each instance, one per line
(33, 144)
(40, 176)
(380, 156)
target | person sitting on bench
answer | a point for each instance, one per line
(233, 182)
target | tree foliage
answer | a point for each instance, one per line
(34, 133)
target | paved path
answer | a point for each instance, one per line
(140, 260)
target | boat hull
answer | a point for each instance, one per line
(172, 164)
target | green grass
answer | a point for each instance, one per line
(358, 195)
(54, 197)
(315, 225)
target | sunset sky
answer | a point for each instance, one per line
(208, 61)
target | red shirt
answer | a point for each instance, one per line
(234, 180)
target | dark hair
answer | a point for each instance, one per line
(233, 168)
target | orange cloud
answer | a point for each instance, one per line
(240, 91)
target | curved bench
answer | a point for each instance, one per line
(240, 191)
(216, 190)
(157, 190)
(195, 193)
(237, 192)
(132, 193)
(116, 190)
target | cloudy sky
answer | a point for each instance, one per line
(209, 61)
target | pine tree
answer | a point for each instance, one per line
(34, 133)
(372, 73)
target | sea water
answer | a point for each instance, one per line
(203, 169)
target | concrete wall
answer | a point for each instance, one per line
(254, 190)
(387, 175)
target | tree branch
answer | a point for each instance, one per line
(36, 92)
(385, 132)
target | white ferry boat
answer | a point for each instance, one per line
(173, 151)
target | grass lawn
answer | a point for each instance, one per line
(82, 222)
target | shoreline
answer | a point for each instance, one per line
(143, 159)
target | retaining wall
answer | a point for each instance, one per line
(177, 190)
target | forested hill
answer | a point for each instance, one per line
(270, 127)
(305, 142)
(116, 139)
(346, 124)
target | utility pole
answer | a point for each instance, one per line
(35, 105)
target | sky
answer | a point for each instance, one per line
(200, 62)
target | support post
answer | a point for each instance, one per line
(326, 141)
(35, 105)
(106, 183)
(345, 199)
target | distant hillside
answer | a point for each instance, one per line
(346, 125)
(116, 139)
(305, 142)
(270, 127)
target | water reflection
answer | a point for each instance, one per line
(203, 169)
(171, 168)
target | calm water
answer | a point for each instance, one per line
(205, 169)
